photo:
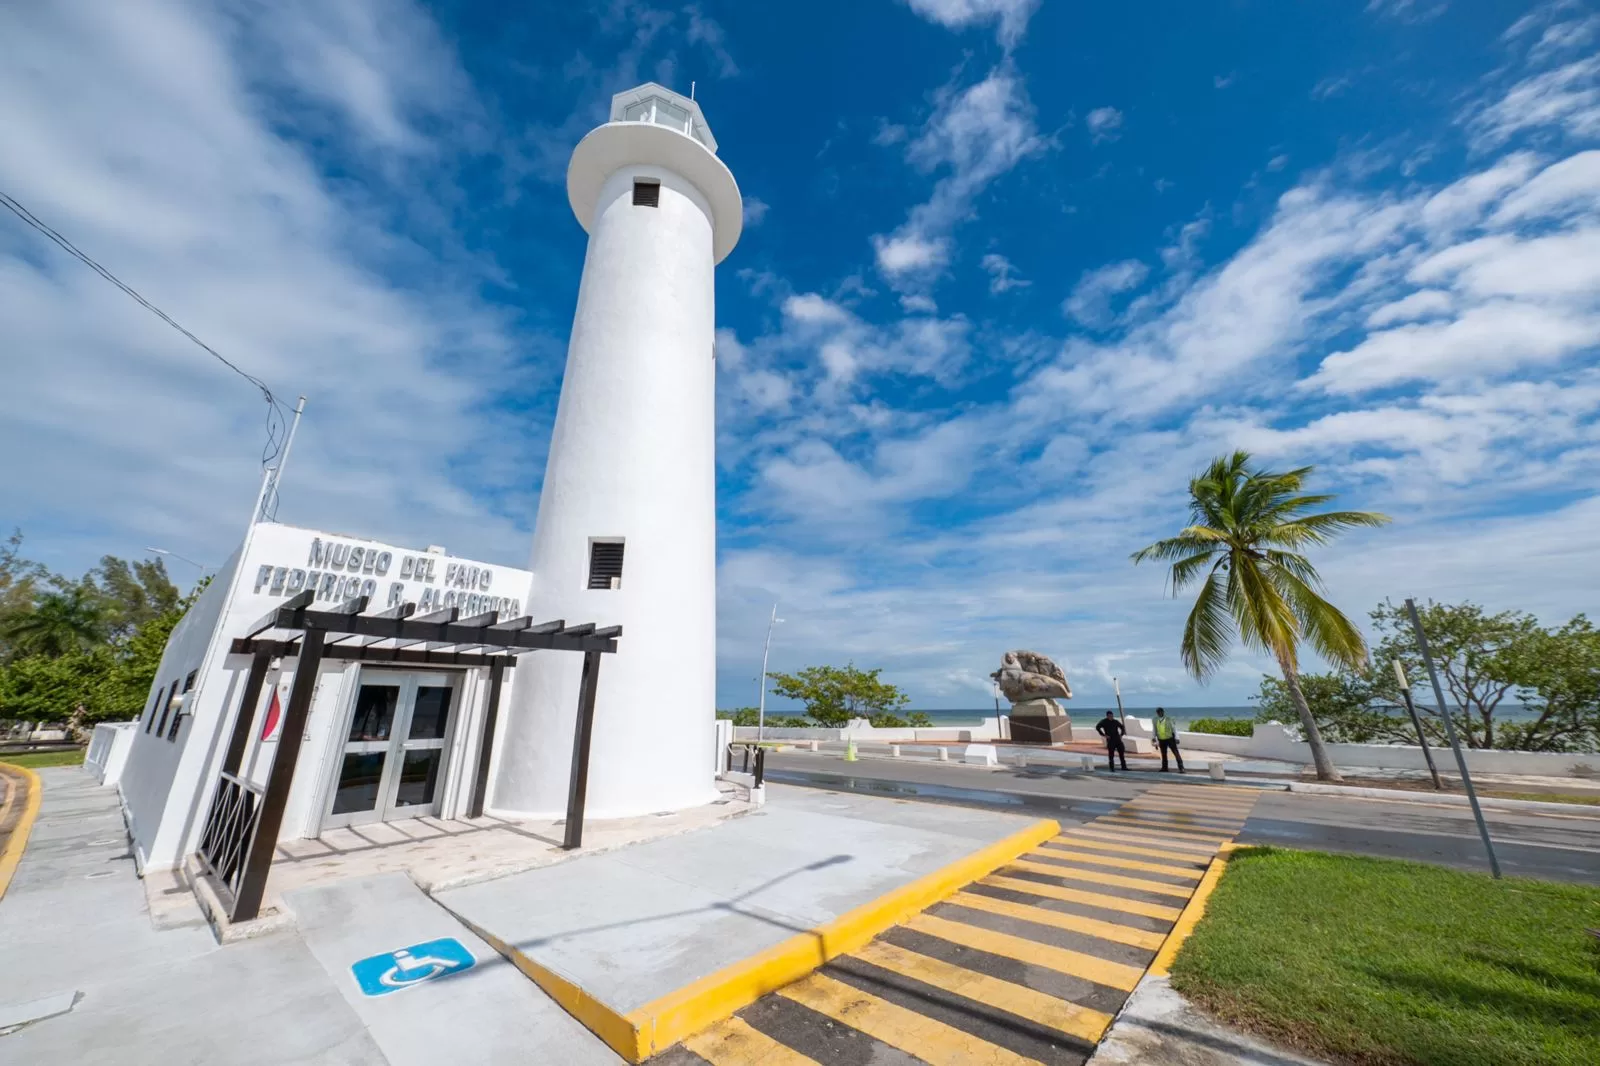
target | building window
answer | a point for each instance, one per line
(179, 702)
(166, 708)
(647, 194)
(155, 708)
(605, 564)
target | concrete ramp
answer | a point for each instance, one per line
(426, 988)
(651, 943)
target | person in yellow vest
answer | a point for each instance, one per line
(1167, 738)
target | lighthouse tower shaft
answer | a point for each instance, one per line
(626, 531)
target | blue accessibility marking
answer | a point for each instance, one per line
(415, 965)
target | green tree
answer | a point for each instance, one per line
(1244, 541)
(833, 695)
(1558, 679)
(53, 688)
(1479, 658)
(1346, 706)
(67, 620)
(751, 716)
(19, 583)
(132, 594)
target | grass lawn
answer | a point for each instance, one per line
(1548, 797)
(1373, 961)
(46, 758)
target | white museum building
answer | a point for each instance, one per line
(324, 680)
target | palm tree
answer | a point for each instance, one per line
(1247, 528)
(60, 622)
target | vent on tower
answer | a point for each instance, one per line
(647, 194)
(605, 564)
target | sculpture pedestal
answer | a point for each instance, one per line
(1039, 721)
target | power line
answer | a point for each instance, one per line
(275, 421)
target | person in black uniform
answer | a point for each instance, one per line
(1112, 730)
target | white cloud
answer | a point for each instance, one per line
(811, 308)
(1002, 274)
(1010, 16)
(142, 134)
(975, 136)
(1570, 185)
(1278, 162)
(755, 210)
(1408, 10)
(1448, 338)
(909, 252)
(1090, 302)
(1331, 86)
(707, 31)
(1562, 265)
(1424, 303)
(1483, 340)
(1567, 97)
(1557, 33)
(1104, 124)
(1463, 202)
(1222, 81)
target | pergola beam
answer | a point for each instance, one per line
(441, 627)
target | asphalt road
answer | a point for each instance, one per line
(1553, 846)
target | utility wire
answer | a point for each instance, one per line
(275, 409)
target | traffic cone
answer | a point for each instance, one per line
(850, 750)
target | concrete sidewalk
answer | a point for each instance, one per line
(88, 977)
(74, 924)
(489, 1013)
(1158, 1027)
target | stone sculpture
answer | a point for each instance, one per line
(1033, 682)
(1027, 675)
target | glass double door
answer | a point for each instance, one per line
(393, 761)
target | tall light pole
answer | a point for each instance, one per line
(1455, 742)
(761, 704)
(181, 558)
(1411, 709)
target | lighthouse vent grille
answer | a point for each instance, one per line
(647, 194)
(605, 564)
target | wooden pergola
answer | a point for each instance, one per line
(243, 820)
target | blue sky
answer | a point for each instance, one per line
(1011, 272)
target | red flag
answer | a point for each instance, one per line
(274, 712)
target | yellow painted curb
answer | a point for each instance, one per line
(1161, 966)
(663, 1022)
(19, 836)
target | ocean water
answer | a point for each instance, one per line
(1180, 715)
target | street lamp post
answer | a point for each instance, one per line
(181, 558)
(761, 703)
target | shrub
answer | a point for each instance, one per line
(1230, 727)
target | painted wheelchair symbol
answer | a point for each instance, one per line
(392, 971)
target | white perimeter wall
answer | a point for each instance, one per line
(1274, 742)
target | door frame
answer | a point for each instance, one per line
(409, 680)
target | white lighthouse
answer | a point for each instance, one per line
(626, 532)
